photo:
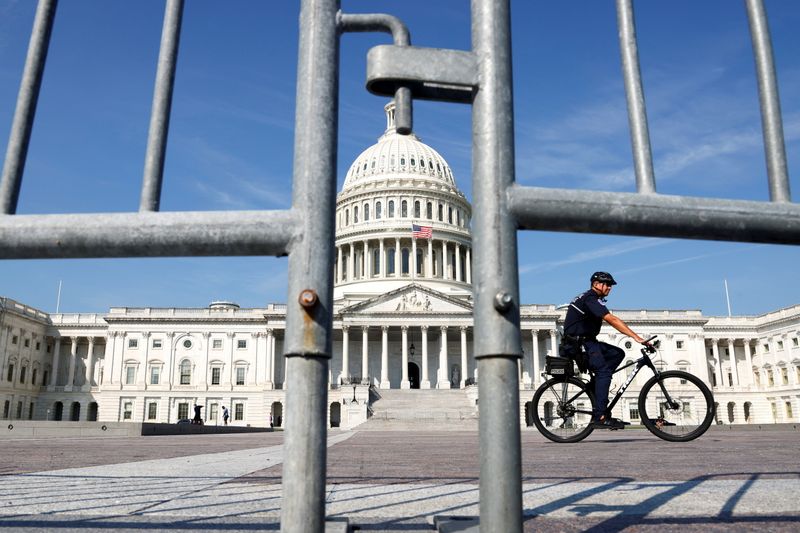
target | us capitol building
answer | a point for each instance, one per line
(403, 320)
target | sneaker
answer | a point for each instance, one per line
(608, 423)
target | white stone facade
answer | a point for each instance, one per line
(402, 319)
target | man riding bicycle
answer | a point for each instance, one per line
(584, 319)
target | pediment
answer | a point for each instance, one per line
(412, 298)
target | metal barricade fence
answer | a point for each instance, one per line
(481, 77)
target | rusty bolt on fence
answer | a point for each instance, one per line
(308, 298)
(503, 301)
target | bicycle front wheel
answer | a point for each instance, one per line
(563, 409)
(676, 406)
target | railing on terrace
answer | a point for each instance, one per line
(480, 77)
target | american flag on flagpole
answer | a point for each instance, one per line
(421, 232)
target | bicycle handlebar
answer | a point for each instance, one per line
(649, 345)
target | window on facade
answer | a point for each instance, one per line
(152, 410)
(215, 373)
(419, 262)
(774, 410)
(449, 215)
(213, 409)
(757, 377)
(413, 161)
(441, 212)
(183, 410)
(38, 346)
(391, 208)
(48, 348)
(404, 261)
(10, 375)
(216, 344)
(376, 262)
(19, 410)
(24, 370)
(687, 409)
(155, 375)
(458, 217)
(156, 344)
(679, 345)
(186, 372)
(784, 376)
(133, 343)
(429, 211)
(14, 339)
(402, 161)
(355, 215)
(30, 411)
(33, 376)
(241, 344)
(240, 375)
(390, 262)
(127, 410)
(417, 213)
(766, 347)
(346, 217)
(770, 378)
(366, 212)
(6, 408)
(634, 412)
(44, 377)
(780, 345)
(238, 411)
(789, 413)
(378, 211)
(404, 209)
(187, 343)
(27, 343)
(130, 375)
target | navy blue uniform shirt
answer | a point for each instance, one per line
(585, 315)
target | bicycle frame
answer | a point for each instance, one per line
(643, 361)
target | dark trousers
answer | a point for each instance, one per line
(603, 361)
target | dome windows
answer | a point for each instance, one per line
(413, 161)
(346, 217)
(417, 209)
(404, 209)
(378, 210)
(402, 161)
(441, 213)
(429, 212)
(355, 215)
(366, 212)
(391, 208)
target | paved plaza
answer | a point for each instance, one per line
(740, 479)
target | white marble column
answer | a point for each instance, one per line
(89, 364)
(464, 371)
(469, 265)
(397, 256)
(535, 356)
(445, 261)
(444, 379)
(458, 262)
(273, 357)
(351, 261)
(404, 382)
(252, 370)
(339, 264)
(748, 358)
(56, 356)
(413, 262)
(229, 373)
(385, 357)
(717, 364)
(364, 352)
(73, 355)
(734, 368)
(142, 382)
(345, 352)
(269, 380)
(365, 263)
(171, 339)
(429, 261)
(553, 344)
(382, 259)
(425, 382)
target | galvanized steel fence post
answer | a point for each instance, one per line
(495, 279)
(309, 315)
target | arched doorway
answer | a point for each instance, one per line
(58, 411)
(91, 414)
(413, 375)
(277, 414)
(747, 407)
(731, 412)
(336, 414)
(548, 414)
(529, 414)
(75, 412)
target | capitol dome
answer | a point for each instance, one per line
(400, 219)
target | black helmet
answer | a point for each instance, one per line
(603, 277)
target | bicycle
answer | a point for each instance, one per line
(679, 409)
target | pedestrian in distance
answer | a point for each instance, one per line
(225, 415)
(197, 419)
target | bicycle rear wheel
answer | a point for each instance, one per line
(676, 406)
(563, 414)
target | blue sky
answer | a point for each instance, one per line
(231, 138)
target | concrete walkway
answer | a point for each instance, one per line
(396, 481)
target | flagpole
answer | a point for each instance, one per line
(58, 298)
(727, 297)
